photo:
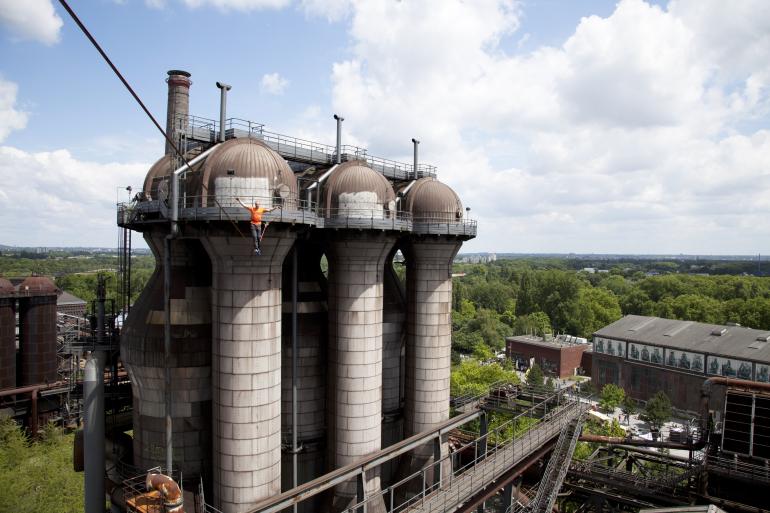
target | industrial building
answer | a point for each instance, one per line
(39, 359)
(315, 375)
(559, 357)
(266, 371)
(646, 354)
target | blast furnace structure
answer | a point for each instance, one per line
(287, 365)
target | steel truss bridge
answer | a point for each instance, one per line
(462, 479)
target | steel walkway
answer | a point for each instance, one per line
(465, 483)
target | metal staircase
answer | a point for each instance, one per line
(556, 470)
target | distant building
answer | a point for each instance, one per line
(555, 356)
(68, 304)
(479, 258)
(646, 354)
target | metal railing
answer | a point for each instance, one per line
(291, 209)
(138, 499)
(294, 148)
(732, 467)
(557, 467)
(487, 465)
(375, 217)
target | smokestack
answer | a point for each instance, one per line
(178, 105)
(416, 143)
(339, 120)
(223, 88)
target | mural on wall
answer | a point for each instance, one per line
(762, 373)
(610, 347)
(684, 360)
(645, 353)
(729, 367)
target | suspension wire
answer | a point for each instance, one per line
(120, 76)
(130, 89)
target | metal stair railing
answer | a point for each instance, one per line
(557, 467)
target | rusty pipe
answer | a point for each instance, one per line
(618, 440)
(33, 391)
(22, 390)
(170, 493)
(33, 415)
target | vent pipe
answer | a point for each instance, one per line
(178, 107)
(223, 88)
(339, 120)
(416, 143)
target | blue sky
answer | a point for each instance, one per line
(587, 126)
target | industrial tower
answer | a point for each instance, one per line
(265, 372)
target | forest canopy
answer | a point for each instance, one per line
(538, 296)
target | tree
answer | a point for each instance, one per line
(536, 323)
(471, 377)
(612, 397)
(526, 301)
(628, 406)
(658, 410)
(596, 308)
(535, 377)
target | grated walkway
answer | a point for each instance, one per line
(458, 489)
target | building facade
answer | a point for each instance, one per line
(644, 355)
(556, 358)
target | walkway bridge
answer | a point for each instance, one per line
(462, 478)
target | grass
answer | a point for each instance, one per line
(37, 476)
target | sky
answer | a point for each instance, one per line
(566, 126)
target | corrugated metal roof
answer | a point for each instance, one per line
(65, 298)
(247, 158)
(355, 176)
(430, 199)
(734, 342)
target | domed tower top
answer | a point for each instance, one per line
(160, 169)
(250, 170)
(6, 287)
(356, 190)
(431, 200)
(38, 286)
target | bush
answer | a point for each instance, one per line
(612, 397)
(37, 477)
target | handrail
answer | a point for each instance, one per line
(555, 418)
(286, 499)
(291, 146)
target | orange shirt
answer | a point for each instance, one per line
(256, 214)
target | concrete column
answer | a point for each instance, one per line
(93, 431)
(429, 341)
(142, 353)
(393, 341)
(356, 265)
(312, 334)
(246, 367)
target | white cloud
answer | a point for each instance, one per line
(628, 137)
(274, 83)
(224, 5)
(53, 199)
(10, 117)
(31, 20)
(238, 5)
